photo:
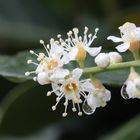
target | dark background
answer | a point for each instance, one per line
(22, 24)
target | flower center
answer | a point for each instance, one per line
(134, 46)
(81, 55)
(71, 87)
(52, 64)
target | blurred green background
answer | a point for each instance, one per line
(25, 111)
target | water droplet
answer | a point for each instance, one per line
(87, 109)
(124, 93)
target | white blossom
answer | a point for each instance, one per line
(49, 66)
(98, 98)
(72, 89)
(130, 37)
(102, 60)
(131, 88)
(78, 46)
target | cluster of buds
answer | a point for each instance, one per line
(51, 68)
(103, 60)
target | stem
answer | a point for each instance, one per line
(81, 64)
(136, 55)
(92, 77)
(132, 69)
(112, 67)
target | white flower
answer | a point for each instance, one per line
(102, 60)
(115, 57)
(71, 88)
(77, 47)
(130, 36)
(98, 98)
(50, 63)
(131, 88)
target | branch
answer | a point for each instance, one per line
(112, 67)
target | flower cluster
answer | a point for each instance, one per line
(130, 36)
(70, 86)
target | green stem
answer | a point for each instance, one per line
(81, 64)
(112, 67)
(92, 77)
(136, 55)
(132, 69)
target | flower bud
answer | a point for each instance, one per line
(102, 60)
(115, 57)
(42, 78)
(131, 87)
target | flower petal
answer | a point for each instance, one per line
(114, 39)
(123, 47)
(131, 89)
(93, 101)
(54, 87)
(39, 68)
(127, 27)
(105, 95)
(136, 34)
(65, 59)
(43, 78)
(87, 86)
(59, 75)
(56, 49)
(76, 73)
(93, 51)
(137, 81)
(73, 53)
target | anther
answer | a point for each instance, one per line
(59, 35)
(74, 109)
(80, 113)
(35, 78)
(53, 107)
(97, 29)
(64, 114)
(41, 42)
(75, 30)
(31, 51)
(48, 93)
(27, 73)
(29, 61)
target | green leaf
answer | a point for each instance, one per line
(113, 78)
(14, 67)
(129, 131)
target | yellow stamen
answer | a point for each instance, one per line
(134, 46)
(71, 87)
(52, 64)
(81, 55)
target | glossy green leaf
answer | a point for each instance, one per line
(14, 67)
